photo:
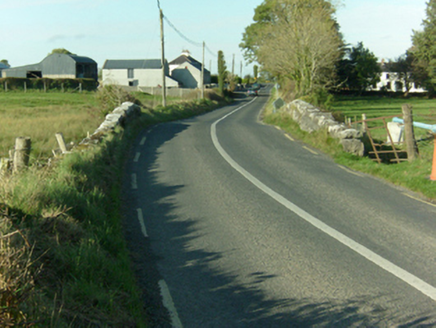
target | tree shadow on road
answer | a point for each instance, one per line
(208, 297)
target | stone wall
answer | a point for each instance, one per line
(311, 118)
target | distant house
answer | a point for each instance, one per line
(390, 82)
(136, 72)
(2, 67)
(187, 71)
(57, 66)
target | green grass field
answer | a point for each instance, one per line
(40, 115)
(424, 110)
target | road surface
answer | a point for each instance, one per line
(232, 223)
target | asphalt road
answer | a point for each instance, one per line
(233, 224)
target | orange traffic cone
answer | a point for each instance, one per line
(433, 168)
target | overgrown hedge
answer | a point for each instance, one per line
(18, 83)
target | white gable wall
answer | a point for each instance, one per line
(141, 77)
(189, 76)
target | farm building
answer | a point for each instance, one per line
(2, 67)
(136, 72)
(57, 66)
(187, 71)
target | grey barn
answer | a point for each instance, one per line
(57, 66)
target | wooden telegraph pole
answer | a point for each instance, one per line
(412, 147)
(164, 91)
(202, 74)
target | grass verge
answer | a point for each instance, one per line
(64, 260)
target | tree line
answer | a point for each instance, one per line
(299, 43)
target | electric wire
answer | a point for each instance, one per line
(197, 44)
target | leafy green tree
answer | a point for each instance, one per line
(359, 69)
(60, 51)
(424, 49)
(222, 71)
(5, 61)
(255, 71)
(296, 40)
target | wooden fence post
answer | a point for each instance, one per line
(6, 86)
(22, 152)
(363, 123)
(61, 142)
(412, 147)
(25, 87)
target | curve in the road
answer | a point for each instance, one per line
(390, 267)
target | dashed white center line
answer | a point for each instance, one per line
(134, 181)
(143, 140)
(169, 304)
(136, 159)
(141, 222)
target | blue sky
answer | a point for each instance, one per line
(129, 29)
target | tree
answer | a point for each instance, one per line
(255, 71)
(298, 40)
(359, 69)
(5, 61)
(424, 49)
(60, 51)
(222, 71)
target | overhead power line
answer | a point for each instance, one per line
(181, 34)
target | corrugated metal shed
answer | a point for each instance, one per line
(132, 63)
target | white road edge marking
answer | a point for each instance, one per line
(352, 172)
(141, 222)
(312, 151)
(289, 137)
(143, 140)
(136, 159)
(134, 182)
(169, 304)
(400, 273)
(419, 200)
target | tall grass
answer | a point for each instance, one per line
(64, 258)
(41, 115)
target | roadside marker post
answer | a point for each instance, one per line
(433, 168)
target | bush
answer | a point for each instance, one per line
(17, 83)
(320, 98)
(112, 96)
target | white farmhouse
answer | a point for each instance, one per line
(389, 81)
(136, 73)
(187, 71)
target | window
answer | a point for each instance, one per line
(387, 75)
(388, 85)
(130, 74)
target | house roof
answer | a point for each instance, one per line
(81, 59)
(184, 58)
(132, 63)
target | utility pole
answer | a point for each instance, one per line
(164, 91)
(233, 66)
(202, 74)
(241, 71)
